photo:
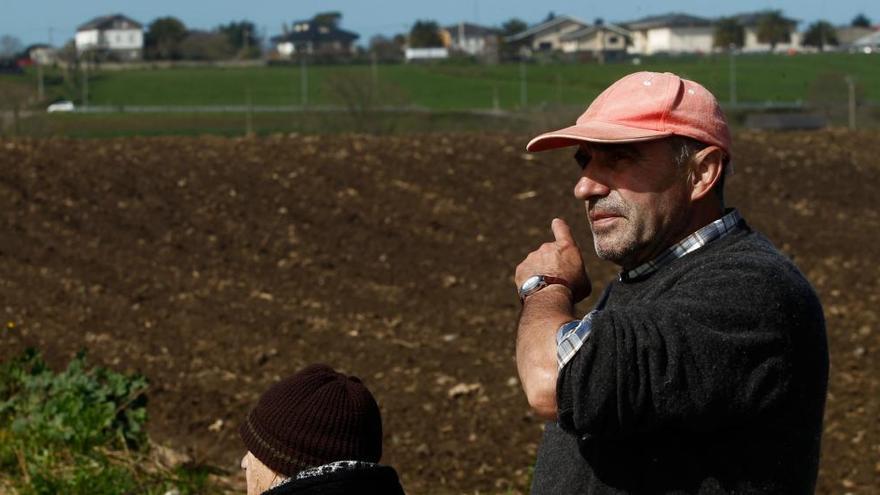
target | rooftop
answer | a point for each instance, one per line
(114, 21)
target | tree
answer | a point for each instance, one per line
(10, 46)
(425, 34)
(242, 36)
(861, 20)
(163, 38)
(202, 45)
(773, 28)
(820, 34)
(513, 26)
(386, 49)
(728, 33)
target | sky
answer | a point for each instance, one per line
(55, 21)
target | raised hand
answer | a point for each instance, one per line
(560, 258)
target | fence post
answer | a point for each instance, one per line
(851, 87)
(304, 81)
(732, 75)
(249, 115)
(41, 93)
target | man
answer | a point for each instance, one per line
(703, 368)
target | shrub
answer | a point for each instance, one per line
(79, 431)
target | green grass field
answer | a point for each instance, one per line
(760, 78)
(555, 92)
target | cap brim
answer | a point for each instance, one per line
(594, 132)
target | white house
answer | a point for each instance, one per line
(546, 36)
(115, 36)
(671, 33)
(750, 23)
(471, 39)
(847, 35)
(867, 44)
(41, 54)
(603, 41)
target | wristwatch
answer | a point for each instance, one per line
(537, 282)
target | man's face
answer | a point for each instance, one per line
(259, 476)
(637, 199)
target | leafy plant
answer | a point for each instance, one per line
(80, 430)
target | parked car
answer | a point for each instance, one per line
(61, 106)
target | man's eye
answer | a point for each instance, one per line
(621, 157)
(582, 159)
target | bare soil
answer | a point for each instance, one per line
(215, 266)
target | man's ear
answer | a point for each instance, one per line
(708, 165)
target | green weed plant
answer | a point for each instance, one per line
(79, 431)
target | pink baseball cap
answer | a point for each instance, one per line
(645, 106)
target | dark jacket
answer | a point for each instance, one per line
(706, 377)
(377, 479)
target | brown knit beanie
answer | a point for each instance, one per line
(314, 417)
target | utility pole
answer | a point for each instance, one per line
(851, 86)
(732, 59)
(523, 85)
(246, 41)
(85, 76)
(374, 68)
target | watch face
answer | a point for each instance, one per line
(530, 284)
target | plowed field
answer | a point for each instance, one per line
(215, 266)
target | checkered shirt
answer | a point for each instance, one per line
(572, 335)
(718, 228)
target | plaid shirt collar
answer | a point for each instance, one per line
(715, 230)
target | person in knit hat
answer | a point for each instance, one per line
(316, 432)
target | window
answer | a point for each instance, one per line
(613, 39)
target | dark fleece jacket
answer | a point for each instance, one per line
(708, 376)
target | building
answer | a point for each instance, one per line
(546, 36)
(673, 33)
(751, 22)
(41, 54)
(602, 41)
(848, 35)
(867, 44)
(111, 36)
(315, 38)
(471, 39)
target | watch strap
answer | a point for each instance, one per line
(546, 280)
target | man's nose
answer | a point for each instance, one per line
(588, 187)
